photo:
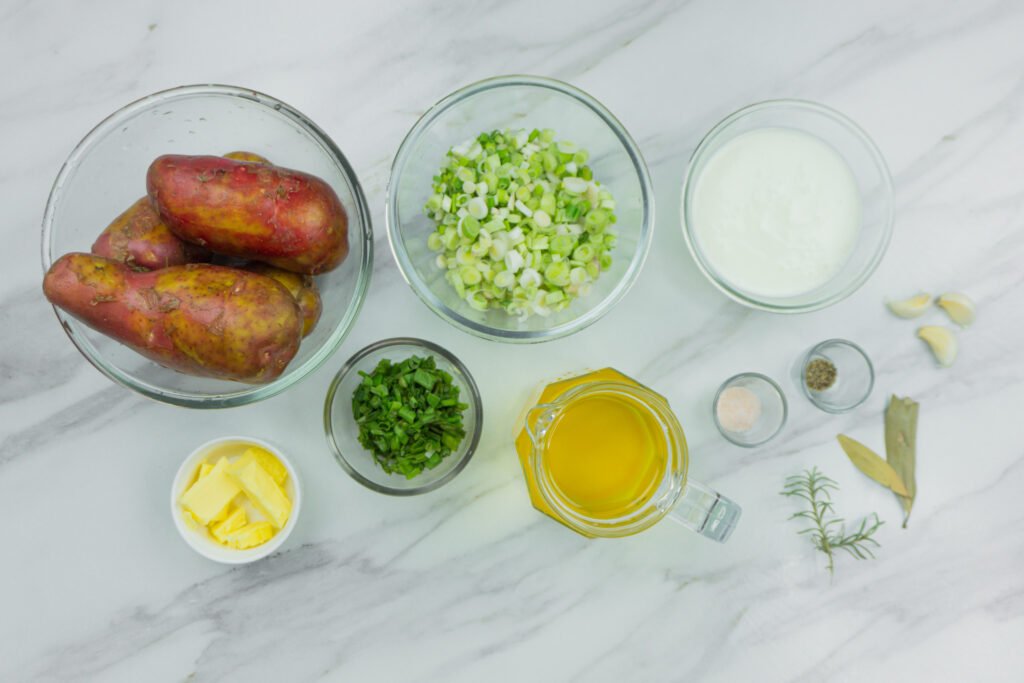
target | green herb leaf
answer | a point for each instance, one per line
(827, 532)
(424, 378)
(901, 447)
(871, 464)
(409, 415)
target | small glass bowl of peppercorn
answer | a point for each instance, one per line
(403, 416)
(836, 375)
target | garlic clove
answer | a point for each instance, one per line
(913, 307)
(958, 307)
(942, 341)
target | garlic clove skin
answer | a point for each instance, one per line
(913, 307)
(942, 342)
(958, 307)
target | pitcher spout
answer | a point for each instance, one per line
(538, 421)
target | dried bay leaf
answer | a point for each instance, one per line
(901, 446)
(871, 464)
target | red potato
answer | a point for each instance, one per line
(301, 287)
(199, 319)
(286, 218)
(139, 238)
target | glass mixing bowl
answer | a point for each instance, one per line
(106, 173)
(343, 433)
(865, 163)
(518, 102)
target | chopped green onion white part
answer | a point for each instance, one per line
(575, 185)
(521, 224)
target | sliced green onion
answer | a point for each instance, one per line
(530, 279)
(557, 273)
(584, 253)
(552, 298)
(521, 225)
(477, 300)
(574, 185)
(470, 227)
(596, 220)
(505, 279)
(562, 244)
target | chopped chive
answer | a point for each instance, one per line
(409, 415)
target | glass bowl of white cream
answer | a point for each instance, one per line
(787, 206)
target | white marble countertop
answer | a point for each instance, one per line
(470, 583)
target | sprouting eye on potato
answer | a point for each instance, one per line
(158, 280)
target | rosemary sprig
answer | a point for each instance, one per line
(828, 533)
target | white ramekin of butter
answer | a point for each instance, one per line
(236, 499)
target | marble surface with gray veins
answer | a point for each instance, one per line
(470, 583)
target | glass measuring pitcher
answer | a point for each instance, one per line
(605, 456)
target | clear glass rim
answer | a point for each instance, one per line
(475, 404)
(816, 351)
(405, 265)
(655, 509)
(729, 382)
(247, 393)
(697, 159)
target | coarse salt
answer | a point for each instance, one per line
(738, 409)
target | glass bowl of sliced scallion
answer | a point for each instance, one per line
(519, 209)
(403, 416)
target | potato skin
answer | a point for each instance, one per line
(139, 238)
(302, 287)
(135, 240)
(199, 319)
(265, 213)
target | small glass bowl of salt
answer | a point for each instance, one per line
(749, 409)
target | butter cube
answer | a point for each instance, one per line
(210, 496)
(262, 490)
(268, 462)
(204, 469)
(220, 516)
(250, 535)
(235, 520)
(191, 521)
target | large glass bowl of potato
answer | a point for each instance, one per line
(207, 246)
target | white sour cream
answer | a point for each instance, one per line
(776, 212)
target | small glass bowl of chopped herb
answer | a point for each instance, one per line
(519, 209)
(403, 416)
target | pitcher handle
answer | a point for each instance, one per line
(707, 512)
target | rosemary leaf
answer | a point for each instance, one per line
(828, 532)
